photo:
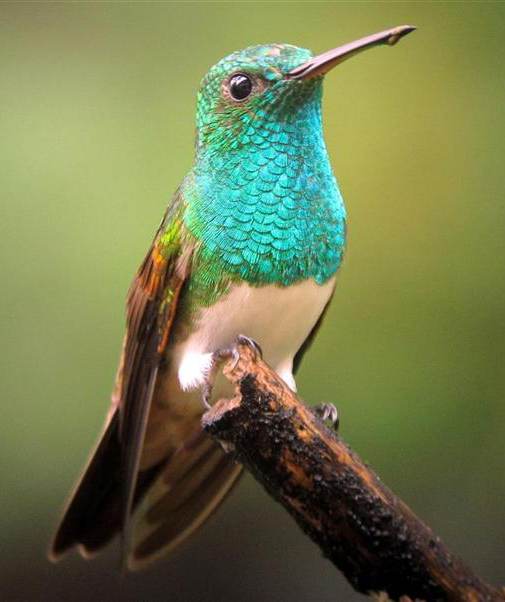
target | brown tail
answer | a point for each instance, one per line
(172, 499)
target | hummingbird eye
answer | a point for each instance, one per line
(240, 86)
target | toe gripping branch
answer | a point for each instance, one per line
(327, 411)
(221, 355)
(363, 528)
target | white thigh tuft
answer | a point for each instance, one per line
(194, 369)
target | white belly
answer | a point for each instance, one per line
(278, 318)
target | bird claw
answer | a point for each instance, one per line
(252, 344)
(327, 411)
(217, 357)
(229, 353)
(225, 354)
(207, 394)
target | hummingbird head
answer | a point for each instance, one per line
(261, 195)
(265, 90)
(248, 89)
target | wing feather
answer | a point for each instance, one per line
(151, 309)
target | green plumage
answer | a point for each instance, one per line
(261, 198)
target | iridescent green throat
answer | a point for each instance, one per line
(262, 197)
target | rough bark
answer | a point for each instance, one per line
(362, 527)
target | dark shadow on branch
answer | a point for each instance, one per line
(361, 526)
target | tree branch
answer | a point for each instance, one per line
(361, 526)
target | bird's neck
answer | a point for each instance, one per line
(267, 206)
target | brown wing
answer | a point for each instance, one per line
(103, 498)
(151, 307)
(186, 491)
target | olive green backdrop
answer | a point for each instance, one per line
(96, 131)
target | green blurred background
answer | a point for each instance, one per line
(96, 129)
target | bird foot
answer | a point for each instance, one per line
(207, 394)
(327, 411)
(220, 356)
(252, 344)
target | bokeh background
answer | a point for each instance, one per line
(96, 130)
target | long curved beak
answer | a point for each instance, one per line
(322, 63)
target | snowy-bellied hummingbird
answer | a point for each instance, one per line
(250, 245)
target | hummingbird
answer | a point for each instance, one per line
(250, 244)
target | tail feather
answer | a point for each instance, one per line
(90, 517)
(181, 500)
(171, 499)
